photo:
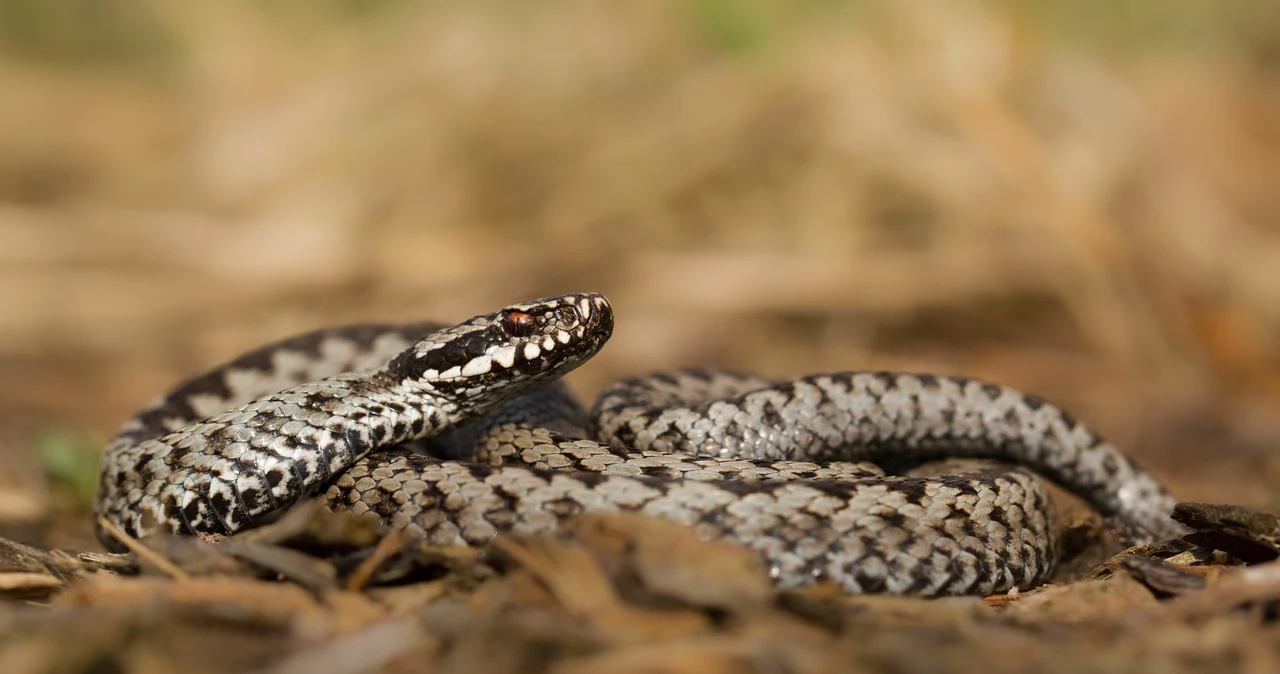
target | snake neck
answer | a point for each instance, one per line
(393, 410)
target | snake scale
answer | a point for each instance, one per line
(458, 433)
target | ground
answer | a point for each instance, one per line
(1075, 199)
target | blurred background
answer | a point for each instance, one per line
(1077, 198)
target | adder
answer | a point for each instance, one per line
(460, 432)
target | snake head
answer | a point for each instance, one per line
(487, 360)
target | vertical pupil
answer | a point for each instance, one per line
(519, 323)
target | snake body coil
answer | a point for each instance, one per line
(770, 465)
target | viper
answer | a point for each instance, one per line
(457, 433)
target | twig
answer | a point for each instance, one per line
(388, 546)
(143, 552)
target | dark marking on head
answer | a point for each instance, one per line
(475, 346)
(455, 353)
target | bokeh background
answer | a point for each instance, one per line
(1078, 198)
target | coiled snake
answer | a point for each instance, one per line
(769, 465)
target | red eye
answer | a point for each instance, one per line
(518, 323)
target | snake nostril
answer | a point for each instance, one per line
(569, 316)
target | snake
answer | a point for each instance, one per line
(457, 433)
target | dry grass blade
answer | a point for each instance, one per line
(145, 554)
(27, 584)
(312, 573)
(271, 603)
(386, 547)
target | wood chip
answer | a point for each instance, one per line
(1163, 578)
(1247, 534)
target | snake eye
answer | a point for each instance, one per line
(518, 323)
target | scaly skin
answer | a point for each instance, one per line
(770, 465)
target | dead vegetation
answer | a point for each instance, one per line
(1073, 198)
(619, 594)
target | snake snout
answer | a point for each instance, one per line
(596, 312)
